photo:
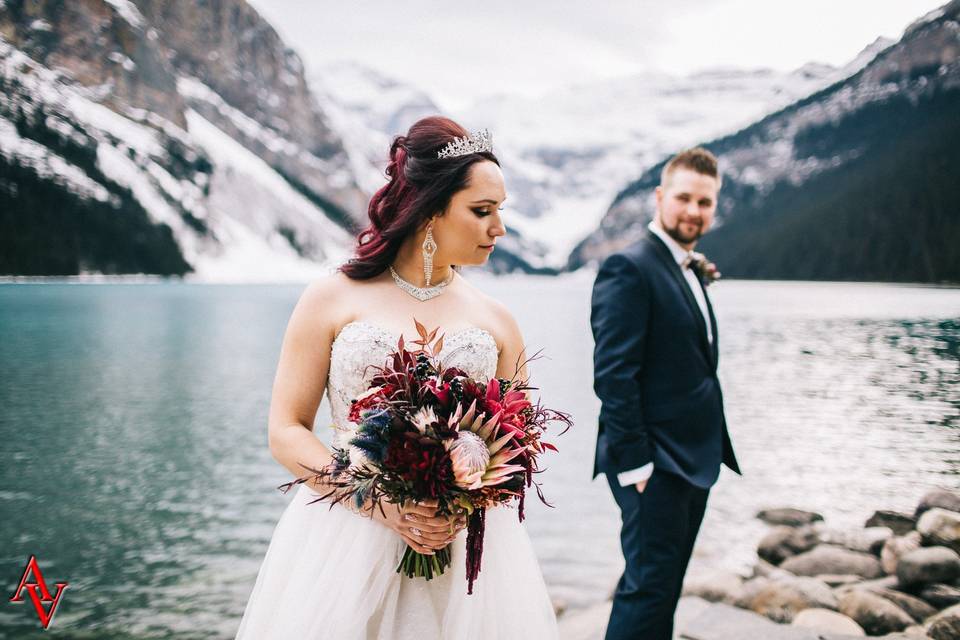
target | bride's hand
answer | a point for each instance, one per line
(420, 526)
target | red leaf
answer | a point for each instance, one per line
(422, 330)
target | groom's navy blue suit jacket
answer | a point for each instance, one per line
(655, 371)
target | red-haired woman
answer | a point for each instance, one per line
(331, 573)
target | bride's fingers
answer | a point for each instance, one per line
(427, 524)
(430, 532)
(416, 546)
(420, 510)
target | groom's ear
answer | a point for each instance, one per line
(659, 193)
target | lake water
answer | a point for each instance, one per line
(132, 423)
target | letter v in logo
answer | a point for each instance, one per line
(44, 593)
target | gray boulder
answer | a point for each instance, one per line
(895, 548)
(783, 542)
(789, 517)
(870, 540)
(938, 498)
(915, 607)
(875, 614)
(835, 580)
(749, 590)
(826, 559)
(940, 527)
(940, 596)
(713, 586)
(928, 565)
(766, 570)
(827, 621)
(781, 600)
(886, 582)
(945, 625)
(900, 523)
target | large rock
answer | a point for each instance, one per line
(783, 542)
(945, 625)
(915, 607)
(835, 580)
(749, 590)
(781, 600)
(722, 622)
(713, 586)
(870, 540)
(895, 548)
(928, 565)
(827, 621)
(940, 527)
(886, 582)
(940, 596)
(764, 569)
(789, 517)
(900, 523)
(875, 614)
(938, 498)
(829, 559)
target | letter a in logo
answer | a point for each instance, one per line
(38, 598)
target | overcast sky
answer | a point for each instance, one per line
(460, 52)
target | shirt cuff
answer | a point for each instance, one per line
(634, 476)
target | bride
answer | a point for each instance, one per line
(331, 572)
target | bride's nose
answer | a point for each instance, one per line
(497, 228)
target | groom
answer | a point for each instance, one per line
(662, 433)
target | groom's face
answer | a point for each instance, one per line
(686, 205)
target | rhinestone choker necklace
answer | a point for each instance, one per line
(420, 293)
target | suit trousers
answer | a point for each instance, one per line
(659, 529)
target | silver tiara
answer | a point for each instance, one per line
(476, 142)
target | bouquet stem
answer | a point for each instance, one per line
(418, 565)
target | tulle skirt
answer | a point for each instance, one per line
(331, 574)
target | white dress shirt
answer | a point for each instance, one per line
(633, 476)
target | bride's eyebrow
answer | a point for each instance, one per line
(487, 201)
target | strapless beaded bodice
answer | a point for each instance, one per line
(362, 344)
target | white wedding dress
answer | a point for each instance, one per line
(331, 573)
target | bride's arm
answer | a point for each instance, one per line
(513, 353)
(297, 390)
(300, 381)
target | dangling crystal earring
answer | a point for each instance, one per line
(429, 248)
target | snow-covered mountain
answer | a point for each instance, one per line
(567, 153)
(184, 129)
(833, 185)
(367, 109)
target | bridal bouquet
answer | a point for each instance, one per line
(429, 432)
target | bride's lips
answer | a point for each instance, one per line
(488, 247)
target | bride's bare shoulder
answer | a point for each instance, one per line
(497, 318)
(327, 299)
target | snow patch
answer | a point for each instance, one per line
(128, 11)
(47, 164)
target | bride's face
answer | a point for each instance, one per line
(468, 230)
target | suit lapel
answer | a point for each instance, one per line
(674, 269)
(715, 345)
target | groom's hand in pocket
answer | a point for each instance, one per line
(641, 486)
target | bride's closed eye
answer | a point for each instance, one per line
(485, 212)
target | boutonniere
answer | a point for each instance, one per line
(705, 270)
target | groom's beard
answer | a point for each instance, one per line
(686, 238)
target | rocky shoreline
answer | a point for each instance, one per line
(898, 577)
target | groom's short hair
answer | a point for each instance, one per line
(697, 159)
